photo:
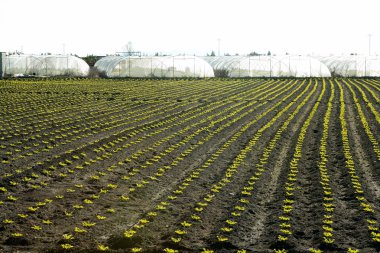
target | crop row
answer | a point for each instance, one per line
(230, 165)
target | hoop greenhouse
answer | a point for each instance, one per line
(269, 66)
(166, 66)
(353, 65)
(44, 65)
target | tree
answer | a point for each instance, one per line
(253, 53)
(212, 53)
(91, 59)
(269, 53)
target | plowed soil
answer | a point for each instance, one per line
(189, 165)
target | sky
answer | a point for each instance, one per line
(101, 27)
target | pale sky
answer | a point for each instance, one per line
(319, 27)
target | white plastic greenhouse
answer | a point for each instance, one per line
(269, 66)
(44, 65)
(353, 65)
(2, 58)
(166, 66)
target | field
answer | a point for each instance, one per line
(214, 165)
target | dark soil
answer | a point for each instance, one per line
(84, 161)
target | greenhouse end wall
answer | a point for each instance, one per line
(2, 57)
